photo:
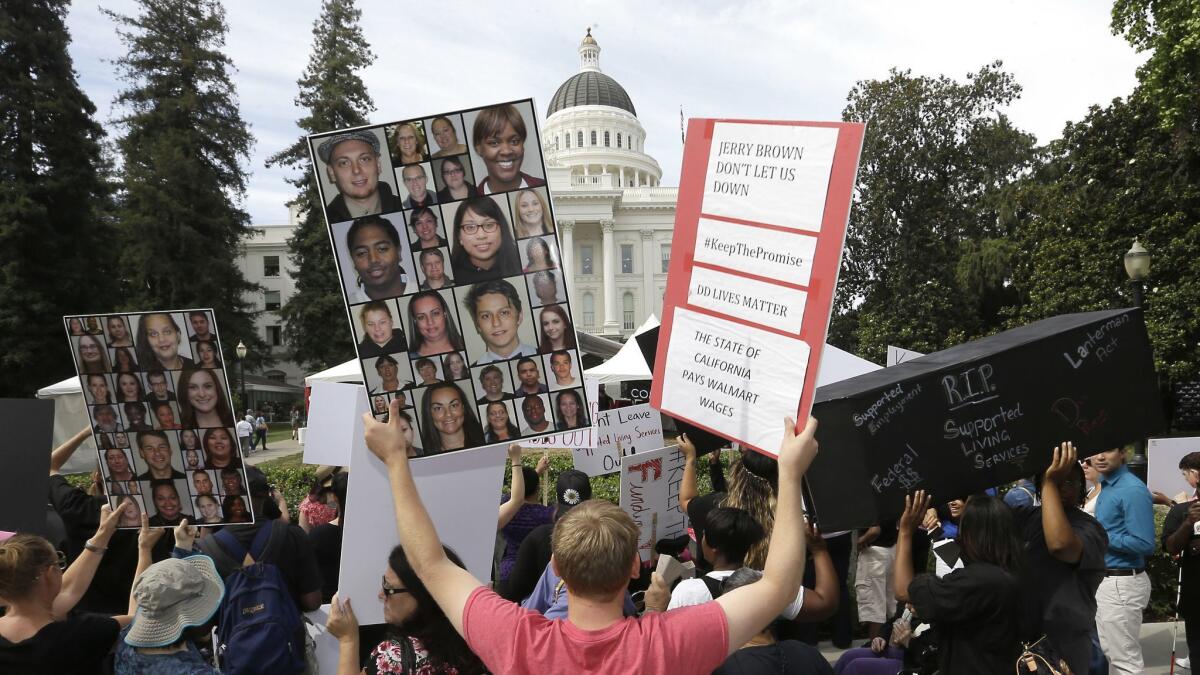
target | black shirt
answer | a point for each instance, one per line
(697, 512)
(326, 542)
(532, 558)
(976, 611)
(75, 645)
(1189, 560)
(366, 348)
(790, 657)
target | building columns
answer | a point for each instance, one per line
(611, 325)
(649, 266)
(567, 229)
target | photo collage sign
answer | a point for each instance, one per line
(448, 255)
(158, 402)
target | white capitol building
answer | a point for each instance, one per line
(614, 217)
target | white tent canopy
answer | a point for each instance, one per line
(343, 372)
(70, 415)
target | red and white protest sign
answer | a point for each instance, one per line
(759, 230)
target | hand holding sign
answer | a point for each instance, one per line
(387, 440)
(796, 452)
(1062, 464)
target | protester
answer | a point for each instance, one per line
(1092, 476)
(326, 538)
(245, 432)
(1065, 550)
(1181, 542)
(873, 592)
(571, 488)
(976, 609)
(314, 509)
(288, 547)
(176, 601)
(726, 540)
(37, 634)
(1124, 508)
(523, 514)
(595, 553)
(884, 655)
(764, 652)
(424, 639)
(260, 430)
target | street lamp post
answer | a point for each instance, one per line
(241, 354)
(1137, 266)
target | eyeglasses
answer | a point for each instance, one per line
(389, 591)
(488, 226)
(451, 172)
(62, 561)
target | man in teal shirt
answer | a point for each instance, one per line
(1125, 510)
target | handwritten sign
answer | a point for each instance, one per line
(761, 221)
(576, 438)
(620, 431)
(981, 414)
(650, 495)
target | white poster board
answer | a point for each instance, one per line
(1162, 465)
(650, 495)
(620, 431)
(330, 405)
(460, 490)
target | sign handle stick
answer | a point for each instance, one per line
(545, 483)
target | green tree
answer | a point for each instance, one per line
(1170, 31)
(1112, 177)
(334, 97)
(183, 145)
(927, 264)
(56, 236)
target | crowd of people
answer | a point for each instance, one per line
(1031, 571)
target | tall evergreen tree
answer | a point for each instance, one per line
(56, 240)
(334, 97)
(180, 210)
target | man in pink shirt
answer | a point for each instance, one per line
(595, 553)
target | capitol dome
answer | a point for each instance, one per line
(590, 88)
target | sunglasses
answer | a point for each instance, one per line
(389, 591)
(61, 562)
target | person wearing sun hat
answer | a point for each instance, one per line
(176, 600)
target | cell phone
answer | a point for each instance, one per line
(906, 616)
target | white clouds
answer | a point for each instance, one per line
(761, 58)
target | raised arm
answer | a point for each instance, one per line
(62, 453)
(689, 489)
(78, 577)
(449, 584)
(516, 494)
(915, 507)
(716, 472)
(1061, 540)
(147, 538)
(751, 608)
(820, 601)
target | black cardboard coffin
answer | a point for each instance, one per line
(981, 414)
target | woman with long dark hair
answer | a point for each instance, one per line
(975, 609)
(500, 426)
(448, 420)
(421, 638)
(93, 358)
(158, 340)
(431, 326)
(202, 402)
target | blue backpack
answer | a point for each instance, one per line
(260, 630)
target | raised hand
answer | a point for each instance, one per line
(386, 440)
(342, 624)
(147, 537)
(797, 451)
(915, 507)
(186, 535)
(1062, 464)
(686, 447)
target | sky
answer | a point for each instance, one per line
(755, 59)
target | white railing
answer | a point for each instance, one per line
(602, 181)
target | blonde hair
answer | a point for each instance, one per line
(23, 557)
(755, 495)
(594, 546)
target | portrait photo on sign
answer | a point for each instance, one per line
(454, 178)
(481, 243)
(500, 326)
(355, 174)
(563, 368)
(160, 341)
(499, 421)
(162, 417)
(505, 152)
(530, 209)
(417, 187)
(375, 260)
(406, 142)
(440, 225)
(431, 321)
(378, 328)
(446, 134)
(535, 413)
(447, 419)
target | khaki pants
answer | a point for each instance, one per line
(873, 584)
(1119, 605)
